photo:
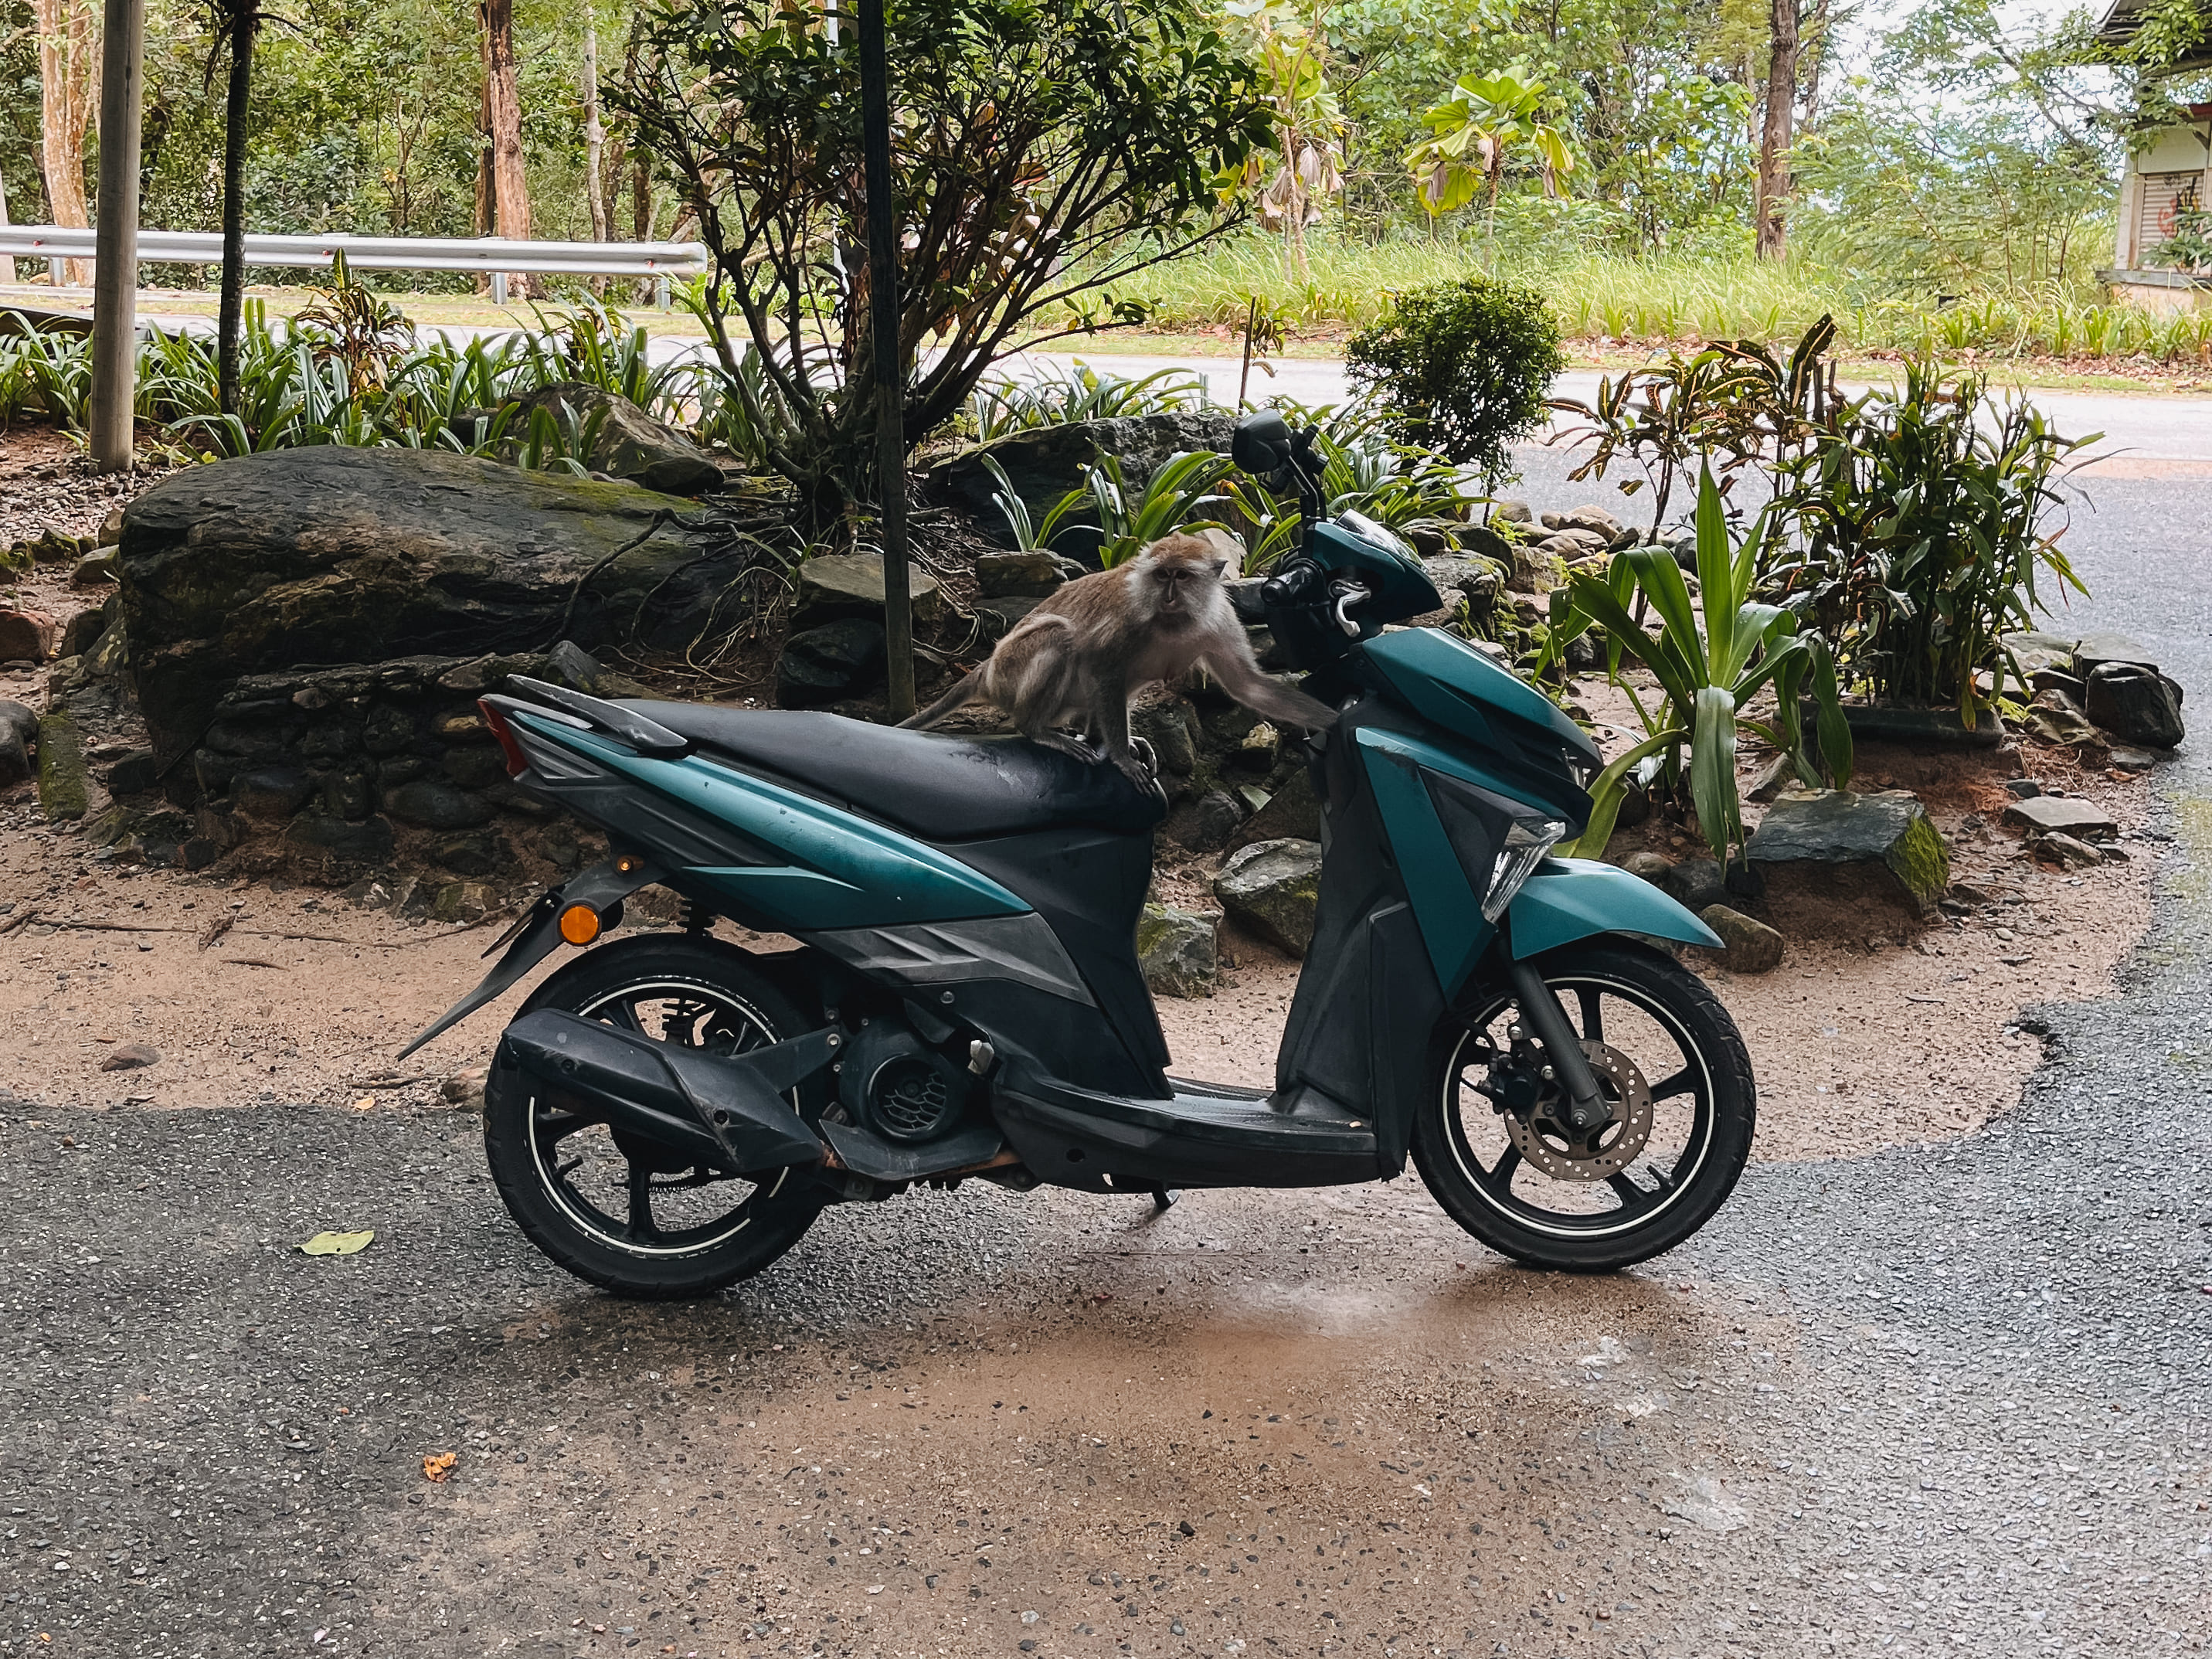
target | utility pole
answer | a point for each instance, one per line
(115, 271)
(884, 329)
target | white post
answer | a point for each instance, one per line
(7, 260)
(115, 271)
(499, 287)
(660, 292)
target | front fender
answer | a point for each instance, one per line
(1568, 899)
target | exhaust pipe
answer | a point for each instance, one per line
(725, 1110)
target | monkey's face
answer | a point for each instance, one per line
(1180, 585)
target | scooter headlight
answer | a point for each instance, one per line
(1528, 841)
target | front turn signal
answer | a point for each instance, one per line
(580, 924)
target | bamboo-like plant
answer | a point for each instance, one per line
(1711, 659)
(1129, 519)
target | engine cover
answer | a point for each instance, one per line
(896, 1085)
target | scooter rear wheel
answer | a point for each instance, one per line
(630, 1216)
(1668, 1059)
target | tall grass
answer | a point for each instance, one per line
(1662, 301)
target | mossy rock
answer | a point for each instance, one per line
(64, 785)
(1823, 832)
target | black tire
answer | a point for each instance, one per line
(557, 1212)
(1710, 1099)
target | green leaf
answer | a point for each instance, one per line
(1712, 771)
(338, 1244)
(1609, 790)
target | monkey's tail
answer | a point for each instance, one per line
(965, 691)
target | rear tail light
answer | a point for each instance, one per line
(517, 762)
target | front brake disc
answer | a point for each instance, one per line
(1604, 1152)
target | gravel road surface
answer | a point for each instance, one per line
(1949, 1400)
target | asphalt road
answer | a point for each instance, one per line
(1950, 1400)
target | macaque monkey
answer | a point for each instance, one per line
(1073, 661)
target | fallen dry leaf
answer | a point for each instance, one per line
(365, 1103)
(338, 1244)
(129, 1056)
(438, 1465)
(216, 929)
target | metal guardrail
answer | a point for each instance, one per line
(493, 256)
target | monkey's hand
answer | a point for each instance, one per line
(1145, 757)
(1135, 768)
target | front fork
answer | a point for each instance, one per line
(1586, 1108)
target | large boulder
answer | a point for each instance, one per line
(307, 557)
(1813, 837)
(1044, 463)
(1272, 889)
(626, 441)
(2134, 702)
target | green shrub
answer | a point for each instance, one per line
(1460, 369)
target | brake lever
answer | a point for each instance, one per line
(1350, 594)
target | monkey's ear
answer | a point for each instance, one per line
(1220, 568)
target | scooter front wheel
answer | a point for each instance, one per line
(1492, 1138)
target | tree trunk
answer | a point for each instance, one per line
(242, 19)
(7, 260)
(595, 137)
(1812, 54)
(510, 189)
(1774, 139)
(69, 89)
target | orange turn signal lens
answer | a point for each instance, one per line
(580, 924)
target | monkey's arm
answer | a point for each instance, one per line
(1109, 727)
(1238, 674)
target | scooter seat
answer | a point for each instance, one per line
(939, 787)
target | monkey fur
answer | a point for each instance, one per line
(1072, 663)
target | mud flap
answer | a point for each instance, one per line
(539, 930)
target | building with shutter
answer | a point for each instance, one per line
(2169, 174)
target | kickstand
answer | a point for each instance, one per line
(1163, 1198)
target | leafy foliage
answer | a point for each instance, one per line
(1460, 369)
(1473, 137)
(1925, 533)
(1043, 148)
(1176, 496)
(1081, 393)
(1711, 659)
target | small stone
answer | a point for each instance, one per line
(1208, 822)
(568, 663)
(1272, 889)
(271, 795)
(2094, 650)
(1592, 517)
(1507, 510)
(2022, 788)
(27, 635)
(465, 1088)
(1648, 865)
(837, 659)
(851, 584)
(1176, 948)
(1694, 883)
(1771, 779)
(2063, 814)
(2133, 760)
(1030, 574)
(130, 1057)
(434, 806)
(1969, 893)
(1749, 945)
(95, 571)
(110, 527)
(2067, 851)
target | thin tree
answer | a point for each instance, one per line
(1774, 137)
(595, 134)
(510, 188)
(237, 25)
(68, 33)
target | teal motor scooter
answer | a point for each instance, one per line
(669, 1111)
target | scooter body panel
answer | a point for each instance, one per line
(843, 870)
(1568, 899)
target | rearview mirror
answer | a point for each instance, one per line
(1261, 443)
